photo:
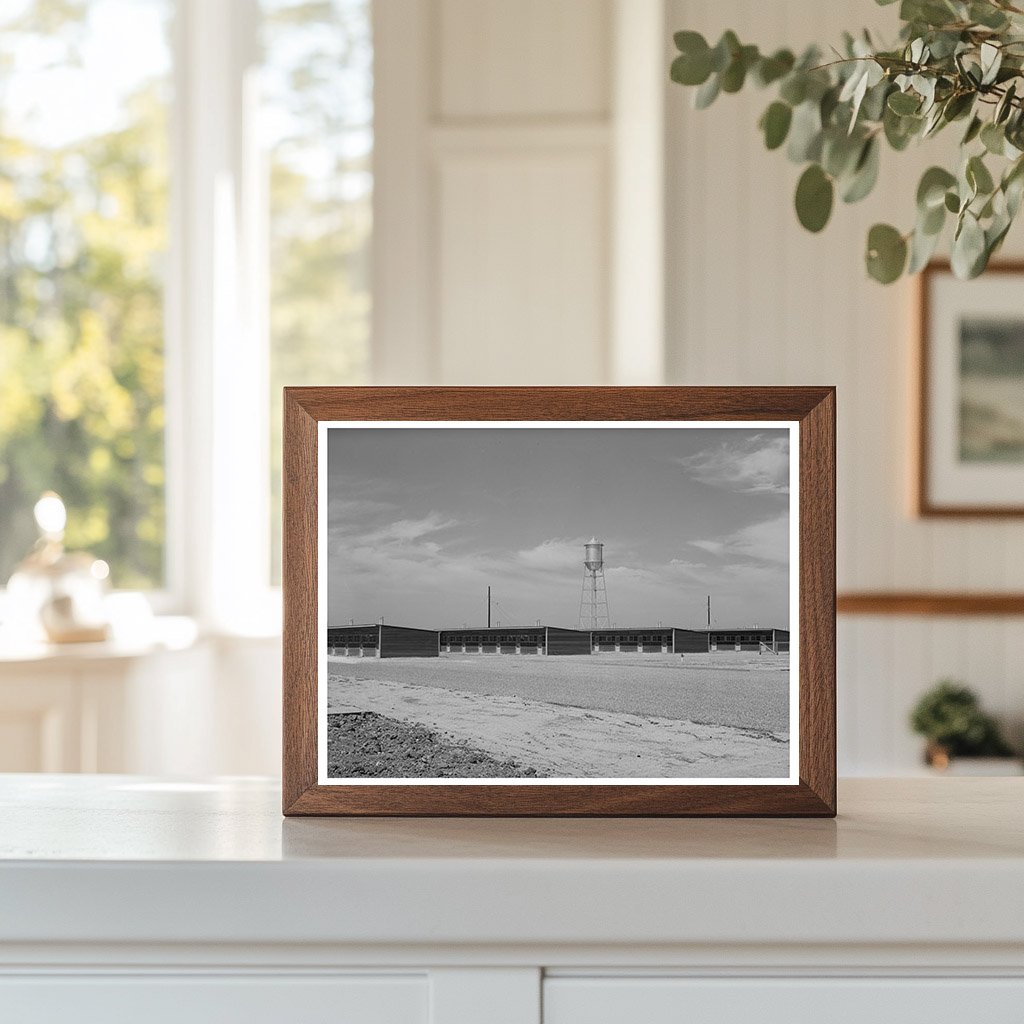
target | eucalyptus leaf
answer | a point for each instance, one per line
(932, 221)
(805, 133)
(1014, 192)
(993, 138)
(724, 51)
(904, 103)
(735, 74)
(1013, 187)
(933, 122)
(991, 60)
(930, 12)
(987, 15)
(931, 190)
(978, 176)
(973, 130)
(922, 247)
(886, 253)
(1005, 105)
(775, 124)
(957, 106)
(840, 152)
(794, 88)
(925, 87)
(691, 70)
(771, 69)
(968, 248)
(827, 106)
(944, 44)
(900, 130)
(707, 93)
(875, 98)
(865, 173)
(814, 195)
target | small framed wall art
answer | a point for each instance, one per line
(970, 423)
(559, 601)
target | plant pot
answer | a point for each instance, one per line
(938, 758)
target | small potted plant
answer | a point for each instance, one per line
(950, 717)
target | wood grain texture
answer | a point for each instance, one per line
(924, 506)
(299, 594)
(925, 603)
(812, 407)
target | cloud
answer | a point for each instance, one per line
(754, 465)
(555, 554)
(714, 547)
(767, 541)
(405, 531)
(374, 535)
(764, 541)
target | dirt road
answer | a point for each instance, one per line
(569, 742)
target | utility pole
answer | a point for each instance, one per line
(488, 607)
(709, 613)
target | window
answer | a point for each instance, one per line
(83, 238)
(317, 120)
(185, 225)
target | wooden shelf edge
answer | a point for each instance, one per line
(928, 603)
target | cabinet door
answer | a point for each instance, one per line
(202, 999)
(783, 1000)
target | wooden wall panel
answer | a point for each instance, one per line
(752, 298)
(522, 275)
(528, 58)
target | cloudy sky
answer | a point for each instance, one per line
(422, 520)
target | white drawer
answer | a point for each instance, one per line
(202, 999)
(783, 1000)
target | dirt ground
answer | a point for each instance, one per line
(368, 745)
(743, 690)
(556, 737)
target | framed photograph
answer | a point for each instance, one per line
(559, 601)
(970, 450)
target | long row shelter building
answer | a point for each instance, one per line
(385, 641)
(380, 641)
(515, 640)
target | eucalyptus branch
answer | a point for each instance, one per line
(955, 59)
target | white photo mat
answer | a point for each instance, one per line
(323, 429)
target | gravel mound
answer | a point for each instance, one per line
(368, 745)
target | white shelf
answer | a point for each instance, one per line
(121, 859)
(127, 896)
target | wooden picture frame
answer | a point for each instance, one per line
(808, 412)
(941, 489)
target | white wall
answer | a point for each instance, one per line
(754, 299)
(501, 130)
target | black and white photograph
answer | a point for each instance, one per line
(532, 603)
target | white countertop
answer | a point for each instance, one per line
(122, 859)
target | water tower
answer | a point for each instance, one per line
(594, 596)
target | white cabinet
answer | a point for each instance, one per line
(98, 708)
(175, 705)
(828, 1000)
(202, 999)
(126, 899)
